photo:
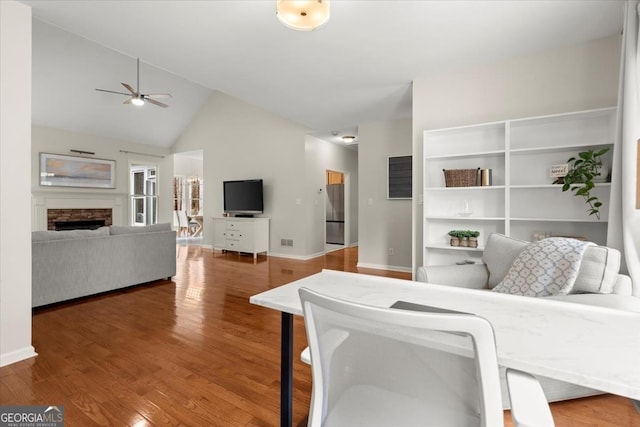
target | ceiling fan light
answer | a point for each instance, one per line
(303, 15)
(138, 102)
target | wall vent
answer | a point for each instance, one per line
(286, 242)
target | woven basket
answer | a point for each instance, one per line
(460, 177)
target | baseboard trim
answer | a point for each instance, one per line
(17, 355)
(296, 257)
(384, 267)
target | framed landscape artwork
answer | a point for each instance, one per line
(57, 170)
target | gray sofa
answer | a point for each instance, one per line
(78, 263)
(598, 283)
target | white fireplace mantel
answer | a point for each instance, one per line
(42, 201)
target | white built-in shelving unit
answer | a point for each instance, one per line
(522, 199)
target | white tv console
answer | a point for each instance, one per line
(249, 235)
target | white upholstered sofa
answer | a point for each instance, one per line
(598, 283)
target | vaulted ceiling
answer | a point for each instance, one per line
(356, 69)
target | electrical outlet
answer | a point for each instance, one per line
(390, 251)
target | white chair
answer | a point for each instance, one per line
(183, 223)
(391, 367)
(524, 387)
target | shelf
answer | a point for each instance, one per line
(588, 220)
(462, 218)
(445, 246)
(473, 188)
(557, 148)
(554, 186)
(494, 153)
(561, 117)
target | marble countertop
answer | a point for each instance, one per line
(591, 346)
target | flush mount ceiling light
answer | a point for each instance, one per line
(303, 15)
(348, 139)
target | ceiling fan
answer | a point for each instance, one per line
(137, 98)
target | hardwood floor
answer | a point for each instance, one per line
(194, 352)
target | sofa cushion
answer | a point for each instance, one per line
(598, 270)
(130, 229)
(499, 253)
(37, 236)
(547, 267)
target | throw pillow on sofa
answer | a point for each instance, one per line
(598, 270)
(544, 268)
(499, 253)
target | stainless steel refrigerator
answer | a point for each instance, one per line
(335, 214)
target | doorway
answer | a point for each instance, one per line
(335, 211)
(188, 196)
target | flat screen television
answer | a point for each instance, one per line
(243, 197)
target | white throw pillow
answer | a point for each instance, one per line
(499, 254)
(544, 268)
(598, 270)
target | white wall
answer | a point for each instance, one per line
(572, 78)
(242, 141)
(15, 199)
(58, 141)
(385, 225)
(187, 165)
(320, 156)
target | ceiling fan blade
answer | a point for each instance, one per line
(158, 103)
(113, 91)
(130, 89)
(158, 95)
(128, 101)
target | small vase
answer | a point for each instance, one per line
(454, 241)
(473, 242)
(464, 241)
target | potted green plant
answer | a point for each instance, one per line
(580, 178)
(473, 238)
(464, 237)
(455, 237)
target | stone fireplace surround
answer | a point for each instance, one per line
(78, 216)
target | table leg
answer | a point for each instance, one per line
(286, 371)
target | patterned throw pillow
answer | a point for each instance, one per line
(547, 267)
